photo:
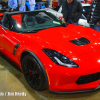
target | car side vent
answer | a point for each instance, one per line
(80, 42)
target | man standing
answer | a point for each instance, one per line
(22, 6)
(32, 4)
(13, 5)
(94, 15)
(39, 4)
(48, 3)
(59, 2)
(72, 11)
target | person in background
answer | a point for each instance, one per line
(22, 6)
(88, 1)
(60, 2)
(48, 3)
(82, 1)
(39, 4)
(94, 15)
(51, 3)
(13, 5)
(32, 4)
(72, 11)
(0, 4)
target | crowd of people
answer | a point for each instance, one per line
(19, 5)
(15, 5)
(71, 9)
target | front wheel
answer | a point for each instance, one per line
(33, 73)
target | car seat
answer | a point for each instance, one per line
(5, 21)
(29, 21)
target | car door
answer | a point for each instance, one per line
(1, 35)
(8, 43)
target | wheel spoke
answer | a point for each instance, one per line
(29, 77)
(27, 72)
(30, 64)
(35, 72)
(37, 80)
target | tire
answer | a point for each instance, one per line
(33, 73)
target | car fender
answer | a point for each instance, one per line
(35, 56)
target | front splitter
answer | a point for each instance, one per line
(80, 91)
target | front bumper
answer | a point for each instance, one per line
(80, 91)
(64, 80)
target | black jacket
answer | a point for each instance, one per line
(38, 0)
(76, 10)
(96, 15)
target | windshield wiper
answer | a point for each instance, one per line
(64, 25)
(32, 31)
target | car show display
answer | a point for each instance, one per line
(4, 5)
(82, 21)
(62, 58)
(28, 6)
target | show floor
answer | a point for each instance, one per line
(12, 83)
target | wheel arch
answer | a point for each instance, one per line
(31, 53)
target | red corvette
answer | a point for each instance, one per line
(63, 58)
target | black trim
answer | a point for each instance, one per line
(79, 91)
(16, 47)
(81, 41)
(88, 78)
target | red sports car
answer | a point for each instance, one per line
(64, 58)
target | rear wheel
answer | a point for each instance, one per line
(33, 73)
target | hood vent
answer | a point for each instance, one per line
(80, 42)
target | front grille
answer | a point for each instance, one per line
(81, 41)
(88, 78)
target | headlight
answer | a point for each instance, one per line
(59, 59)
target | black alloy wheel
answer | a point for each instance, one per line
(33, 73)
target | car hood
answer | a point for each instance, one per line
(64, 39)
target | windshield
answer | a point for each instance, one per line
(34, 21)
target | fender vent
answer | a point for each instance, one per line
(80, 42)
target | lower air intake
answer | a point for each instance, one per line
(88, 78)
